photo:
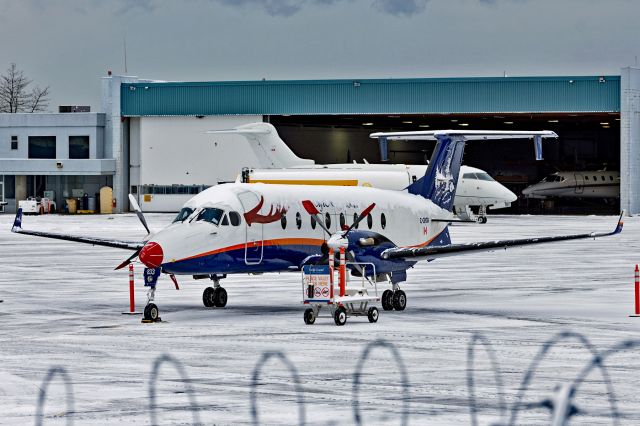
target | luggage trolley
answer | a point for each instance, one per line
(344, 300)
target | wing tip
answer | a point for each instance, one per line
(17, 222)
(620, 223)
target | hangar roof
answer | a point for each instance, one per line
(374, 96)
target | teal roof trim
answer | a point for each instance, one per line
(374, 96)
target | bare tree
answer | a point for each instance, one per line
(14, 94)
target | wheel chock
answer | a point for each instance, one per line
(149, 321)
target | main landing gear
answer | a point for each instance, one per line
(394, 299)
(216, 295)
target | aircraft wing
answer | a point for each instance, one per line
(424, 253)
(121, 244)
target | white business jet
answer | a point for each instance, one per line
(590, 184)
(240, 228)
(477, 190)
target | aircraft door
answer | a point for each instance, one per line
(579, 188)
(254, 236)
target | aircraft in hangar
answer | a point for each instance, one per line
(477, 190)
(240, 228)
(585, 184)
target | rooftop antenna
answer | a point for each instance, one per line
(125, 55)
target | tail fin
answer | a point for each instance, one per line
(441, 178)
(270, 150)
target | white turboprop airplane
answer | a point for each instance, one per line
(240, 228)
(595, 184)
(280, 165)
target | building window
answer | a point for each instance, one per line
(9, 187)
(78, 147)
(42, 147)
(14, 142)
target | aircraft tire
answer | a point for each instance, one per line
(309, 317)
(483, 219)
(373, 314)
(207, 297)
(220, 297)
(340, 317)
(399, 300)
(151, 312)
(387, 300)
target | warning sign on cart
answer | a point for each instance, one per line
(316, 281)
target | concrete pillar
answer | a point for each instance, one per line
(114, 141)
(21, 189)
(630, 140)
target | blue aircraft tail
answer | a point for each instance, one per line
(441, 178)
(17, 223)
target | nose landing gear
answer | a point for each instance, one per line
(216, 295)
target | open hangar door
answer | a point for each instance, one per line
(587, 142)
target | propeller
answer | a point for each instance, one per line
(337, 240)
(138, 211)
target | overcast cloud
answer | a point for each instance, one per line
(70, 44)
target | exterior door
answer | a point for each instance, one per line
(579, 184)
(2, 194)
(254, 237)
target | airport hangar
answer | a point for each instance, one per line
(154, 131)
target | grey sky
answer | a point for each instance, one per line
(69, 44)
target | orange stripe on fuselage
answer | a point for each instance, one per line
(265, 243)
(328, 182)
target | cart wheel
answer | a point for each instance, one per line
(399, 300)
(309, 317)
(387, 300)
(151, 312)
(373, 314)
(207, 297)
(220, 297)
(340, 317)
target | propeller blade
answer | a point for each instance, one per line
(313, 212)
(138, 211)
(351, 258)
(128, 261)
(364, 214)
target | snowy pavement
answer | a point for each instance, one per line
(63, 302)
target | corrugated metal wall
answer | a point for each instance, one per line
(389, 96)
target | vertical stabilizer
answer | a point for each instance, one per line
(266, 144)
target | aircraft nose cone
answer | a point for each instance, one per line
(151, 255)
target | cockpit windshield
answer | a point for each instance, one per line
(183, 215)
(211, 215)
(553, 178)
(484, 176)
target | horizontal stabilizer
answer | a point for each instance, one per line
(467, 134)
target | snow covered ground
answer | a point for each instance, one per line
(63, 302)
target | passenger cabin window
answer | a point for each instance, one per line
(298, 220)
(343, 221)
(383, 220)
(313, 222)
(595, 178)
(183, 215)
(355, 218)
(586, 177)
(327, 220)
(610, 177)
(369, 221)
(603, 179)
(225, 220)
(283, 221)
(234, 218)
(211, 215)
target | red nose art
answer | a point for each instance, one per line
(151, 255)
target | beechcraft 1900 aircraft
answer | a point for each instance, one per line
(240, 228)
